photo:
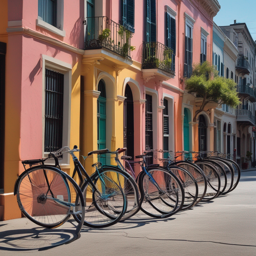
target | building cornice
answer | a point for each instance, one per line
(33, 33)
(212, 7)
(230, 48)
(218, 31)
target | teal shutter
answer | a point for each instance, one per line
(101, 116)
(127, 7)
(90, 20)
(151, 21)
(173, 35)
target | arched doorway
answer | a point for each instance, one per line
(128, 122)
(101, 118)
(202, 133)
(186, 129)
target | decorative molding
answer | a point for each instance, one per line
(172, 87)
(160, 108)
(45, 25)
(121, 98)
(169, 10)
(204, 32)
(92, 60)
(189, 20)
(94, 93)
(148, 74)
(33, 33)
(15, 23)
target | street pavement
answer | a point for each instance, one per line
(226, 226)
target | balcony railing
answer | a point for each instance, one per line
(245, 89)
(245, 116)
(102, 32)
(242, 65)
(158, 56)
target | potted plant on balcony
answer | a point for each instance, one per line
(104, 35)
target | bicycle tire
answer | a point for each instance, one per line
(45, 196)
(164, 203)
(221, 171)
(131, 192)
(198, 175)
(189, 185)
(213, 180)
(99, 211)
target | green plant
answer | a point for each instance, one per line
(248, 156)
(132, 48)
(152, 60)
(104, 35)
(121, 31)
(207, 85)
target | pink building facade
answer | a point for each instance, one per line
(129, 57)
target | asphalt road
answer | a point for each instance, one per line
(226, 226)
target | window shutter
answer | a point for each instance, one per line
(213, 58)
(219, 63)
(130, 14)
(222, 69)
(173, 35)
(153, 20)
(166, 125)
(124, 9)
(168, 30)
(148, 21)
(205, 51)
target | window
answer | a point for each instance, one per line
(218, 66)
(218, 136)
(47, 10)
(165, 127)
(188, 52)
(150, 20)
(231, 74)
(128, 14)
(53, 111)
(50, 16)
(222, 70)
(170, 35)
(227, 73)
(203, 49)
(56, 109)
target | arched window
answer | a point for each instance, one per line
(229, 128)
(225, 127)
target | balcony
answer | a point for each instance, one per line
(245, 117)
(245, 90)
(158, 61)
(106, 39)
(242, 65)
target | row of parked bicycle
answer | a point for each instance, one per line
(48, 196)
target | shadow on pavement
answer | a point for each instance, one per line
(35, 239)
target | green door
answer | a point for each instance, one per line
(101, 115)
(186, 130)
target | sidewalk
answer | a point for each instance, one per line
(226, 226)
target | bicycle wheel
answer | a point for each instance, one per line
(47, 196)
(219, 167)
(189, 185)
(213, 180)
(198, 175)
(161, 192)
(105, 202)
(229, 173)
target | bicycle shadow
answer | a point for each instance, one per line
(37, 238)
(138, 221)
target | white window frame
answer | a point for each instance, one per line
(60, 15)
(65, 69)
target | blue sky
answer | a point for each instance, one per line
(239, 10)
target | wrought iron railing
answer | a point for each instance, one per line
(245, 89)
(157, 55)
(243, 114)
(102, 32)
(242, 63)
